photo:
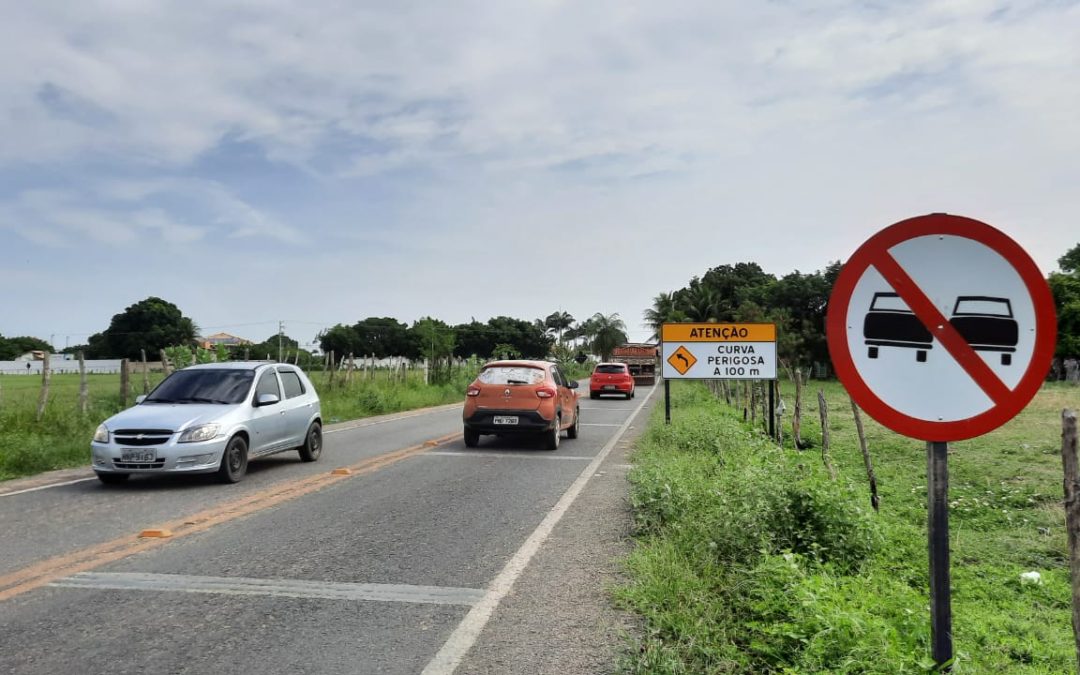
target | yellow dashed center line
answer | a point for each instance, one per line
(58, 567)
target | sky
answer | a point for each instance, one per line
(317, 163)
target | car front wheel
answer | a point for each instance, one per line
(312, 447)
(234, 461)
(113, 478)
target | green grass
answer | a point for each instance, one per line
(751, 560)
(62, 438)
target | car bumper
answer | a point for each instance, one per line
(171, 457)
(529, 421)
(611, 388)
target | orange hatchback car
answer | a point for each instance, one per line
(521, 397)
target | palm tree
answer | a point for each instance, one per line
(558, 322)
(606, 333)
(665, 309)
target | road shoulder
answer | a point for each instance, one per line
(559, 618)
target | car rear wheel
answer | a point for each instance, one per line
(113, 478)
(551, 438)
(234, 461)
(312, 447)
(593, 395)
(572, 432)
(472, 438)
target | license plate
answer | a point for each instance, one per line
(506, 419)
(609, 387)
(140, 455)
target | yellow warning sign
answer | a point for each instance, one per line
(682, 360)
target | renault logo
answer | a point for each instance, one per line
(506, 393)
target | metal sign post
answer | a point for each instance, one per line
(667, 401)
(937, 473)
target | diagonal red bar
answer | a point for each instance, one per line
(941, 329)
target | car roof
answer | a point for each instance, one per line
(610, 363)
(233, 365)
(519, 362)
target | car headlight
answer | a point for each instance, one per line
(203, 432)
(101, 435)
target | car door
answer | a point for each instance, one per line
(267, 422)
(299, 407)
(566, 397)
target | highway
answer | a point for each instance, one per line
(416, 555)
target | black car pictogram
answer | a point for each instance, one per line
(987, 324)
(891, 323)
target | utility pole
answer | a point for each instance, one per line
(280, 337)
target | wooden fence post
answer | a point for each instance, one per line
(1072, 514)
(753, 403)
(796, 419)
(145, 374)
(125, 382)
(866, 455)
(823, 411)
(165, 365)
(83, 385)
(44, 399)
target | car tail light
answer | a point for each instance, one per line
(473, 391)
(545, 393)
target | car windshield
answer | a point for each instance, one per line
(224, 386)
(983, 307)
(511, 375)
(890, 302)
(611, 368)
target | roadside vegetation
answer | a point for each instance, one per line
(751, 559)
(62, 438)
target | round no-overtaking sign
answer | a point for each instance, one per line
(941, 327)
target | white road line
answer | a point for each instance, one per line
(288, 588)
(597, 424)
(509, 455)
(46, 487)
(606, 408)
(465, 635)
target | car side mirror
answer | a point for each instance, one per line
(267, 399)
(140, 398)
(573, 384)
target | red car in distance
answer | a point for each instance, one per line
(611, 378)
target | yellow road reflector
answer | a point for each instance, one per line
(342, 471)
(155, 534)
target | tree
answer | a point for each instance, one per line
(151, 324)
(664, 310)
(381, 336)
(338, 339)
(1065, 287)
(13, 348)
(434, 341)
(606, 333)
(1070, 262)
(558, 322)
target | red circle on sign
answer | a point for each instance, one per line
(875, 250)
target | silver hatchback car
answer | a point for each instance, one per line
(212, 418)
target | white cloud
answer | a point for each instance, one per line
(778, 132)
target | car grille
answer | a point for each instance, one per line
(141, 437)
(140, 465)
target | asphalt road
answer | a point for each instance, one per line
(423, 557)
